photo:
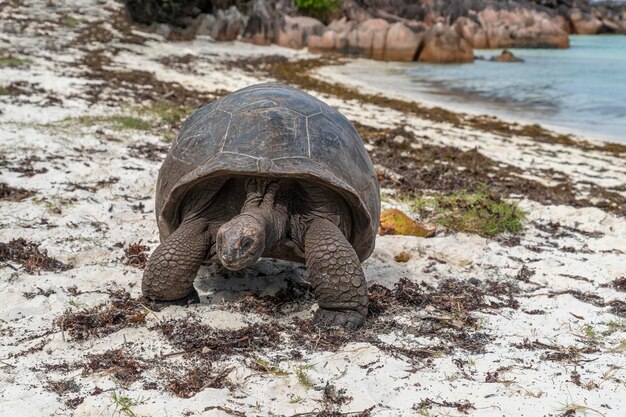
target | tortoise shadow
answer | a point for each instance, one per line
(216, 284)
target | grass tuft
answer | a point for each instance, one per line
(483, 212)
(118, 121)
(620, 347)
(11, 61)
(129, 122)
(123, 404)
(70, 21)
(169, 112)
(303, 378)
(572, 408)
(266, 367)
(148, 118)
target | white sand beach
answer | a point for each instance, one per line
(534, 325)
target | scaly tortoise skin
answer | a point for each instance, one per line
(268, 171)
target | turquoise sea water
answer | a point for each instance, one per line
(581, 89)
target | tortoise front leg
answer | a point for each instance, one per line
(336, 275)
(173, 265)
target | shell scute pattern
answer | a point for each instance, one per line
(330, 144)
(267, 132)
(271, 129)
(200, 141)
(262, 95)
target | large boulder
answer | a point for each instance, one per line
(584, 23)
(342, 25)
(334, 38)
(206, 23)
(354, 11)
(293, 32)
(471, 30)
(401, 43)
(260, 28)
(368, 38)
(506, 56)
(315, 43)
(442, 44)
(522, 28)
(229, 24)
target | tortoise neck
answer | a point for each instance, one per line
(272, 218)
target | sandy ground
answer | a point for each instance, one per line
(468, 326)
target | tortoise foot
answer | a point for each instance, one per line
(191, 298)
(349, 319)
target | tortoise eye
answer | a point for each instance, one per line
(245, 242)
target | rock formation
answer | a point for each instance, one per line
(506, 56)
(294, 32)
(393, 30)
(584, 23)
(521, 28)
(402, 43)
(442, 44)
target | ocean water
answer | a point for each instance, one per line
(580, 90)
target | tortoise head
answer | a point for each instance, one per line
(240, 242)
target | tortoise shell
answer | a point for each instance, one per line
(271, 130)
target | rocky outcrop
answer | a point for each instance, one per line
(442, 44)
(506, 56)
(597, 17)
(372, 38)
(396, 30)
(260, 29)
(521, 28)
(584, 23)
(402, 43)
(470, 29)
(378, 39)
(588, 18)
(294, 32)
(206, 23)
(229, 24)
(369, 38)
(520, 22)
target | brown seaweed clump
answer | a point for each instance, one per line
(30, 256)
(8, 193)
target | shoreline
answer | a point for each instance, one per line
(522, 324)
(300, 71)
(348, 75)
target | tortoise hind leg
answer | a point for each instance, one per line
(173, 265)
(336, 274)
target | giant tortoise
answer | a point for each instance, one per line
(268, 171)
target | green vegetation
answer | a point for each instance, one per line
(572, 409)
(69, 21)
(483, 212)
(76, 304)
(320, 9)
(119, 121)
(590, 333)
(269, 368)
(54, 204)
(161, 118)
(614, 326)
(146, 118)
(129, 122)
(303, 378)
(11, 61)
(123, 404)
(620, 348)
(4, 91)
(169, 112)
